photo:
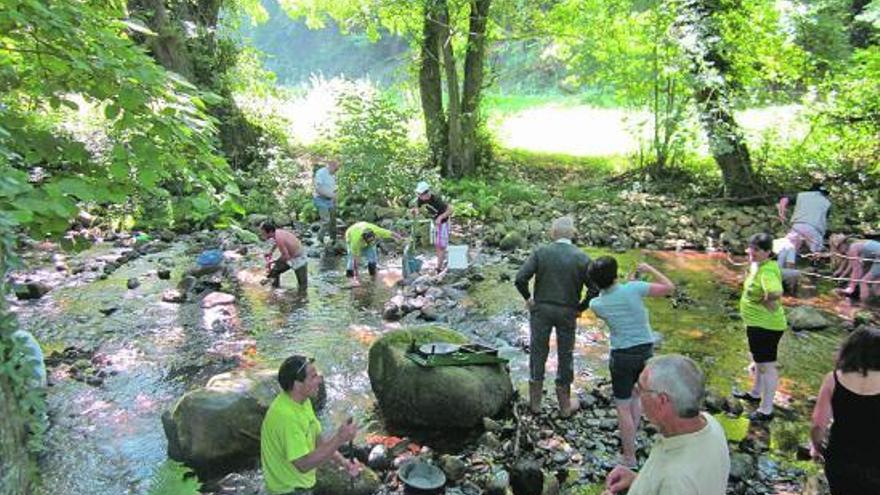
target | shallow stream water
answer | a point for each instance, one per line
(109, 439)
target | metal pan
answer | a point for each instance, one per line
(438, 348)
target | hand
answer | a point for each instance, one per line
(353, 468)
(347, 431)
(620, 478)
(816, 454)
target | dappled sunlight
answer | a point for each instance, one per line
(363, 334)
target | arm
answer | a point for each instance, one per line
(772, 287)
(591, 290)
(822, 416)
(781, 208)
(284, 252)
(663, 287)
(326, 448)
(525, 273)
(446, 214)
(350, 466)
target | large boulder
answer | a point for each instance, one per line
(807, 318)
(217, 428)
(448, 397)
(31, 290)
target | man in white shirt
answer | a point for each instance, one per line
(325, 199)
(692, 457)
(808, 223)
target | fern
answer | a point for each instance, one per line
(174, 478)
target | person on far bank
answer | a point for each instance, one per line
(807, 225)
(291, 446)
(622, 308)
(441, 212)
(560, 273)
(692, 457)
(764, 317)
(325, 199)
(361, 239)
(860, 261)
(291, 256)
(849, 401)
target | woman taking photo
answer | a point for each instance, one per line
(765, 322)
(850, 396)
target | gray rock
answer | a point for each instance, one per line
(807, 318)
(133, 283)
(526, 478)
(333, 481)
(216, 299)
(453, 467)
(378, 457)
(163, 273)
(513, 240)
(455, 397)
(742, 466)
(173, 296)
(31, 290)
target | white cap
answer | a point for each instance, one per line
(422, 187)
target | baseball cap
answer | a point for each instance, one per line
(422, 187)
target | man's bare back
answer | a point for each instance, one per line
(288, 244)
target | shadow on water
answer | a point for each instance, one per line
(109, 439)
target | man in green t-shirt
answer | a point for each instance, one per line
(360, 240)
(291, 446)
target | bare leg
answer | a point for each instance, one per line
(627, 430)
(757, 380)
(769, 379)
(855, 275)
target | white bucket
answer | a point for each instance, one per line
(458, 257)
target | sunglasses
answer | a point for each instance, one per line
(639, 390)
(302, 367)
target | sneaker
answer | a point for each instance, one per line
(746, 396)
(758, 416)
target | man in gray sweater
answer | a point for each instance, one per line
(560, 271)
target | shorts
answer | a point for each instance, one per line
(440, 236)
(763, 343)
(626, 365)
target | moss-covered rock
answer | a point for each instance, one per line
(455, 397)
(332, 480)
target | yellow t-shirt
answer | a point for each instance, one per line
(763, 278)
(354, 236)
(290, 430)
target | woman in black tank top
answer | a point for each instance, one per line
(852, 454)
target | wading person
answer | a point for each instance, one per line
(850, 396)
(290, 256)
(291, 447)
(560, 272)
(692, 457)
(441, 211)
(858, 260)
(765, 322)
(361, 239)
(325, 199)
(808, 223)
(622, 308)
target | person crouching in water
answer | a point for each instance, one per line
(858, 260)
(291, 256)
(622, 308)
(361, 240)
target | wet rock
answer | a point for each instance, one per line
(378, 457)
(527, 478)
(489, 440)
(742, 466)
(133, 283)
(216, 299)
(513, 240)
(333, 481)
(31, 290)
(455, 397)
(453, 467)
(173, 296)
(490, 424)
(163, 273)
(187, 283)
(108, 310)
(498, 483)
(807, 318)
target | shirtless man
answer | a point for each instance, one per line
(291, 255)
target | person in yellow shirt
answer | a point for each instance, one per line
(361, 240)
(765, 322)
(291, 447)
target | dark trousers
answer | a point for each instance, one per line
(542, 320)
(281, 266)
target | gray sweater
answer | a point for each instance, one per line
(560, 271)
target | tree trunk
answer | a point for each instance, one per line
(168, 47)
(861, 33)
(701, 41)
(15, 463)
(453, 108)
(473, 84)
(430, 86)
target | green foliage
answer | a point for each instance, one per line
(64, 63)
(370, 136)
(174, 478)
(475, 197)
